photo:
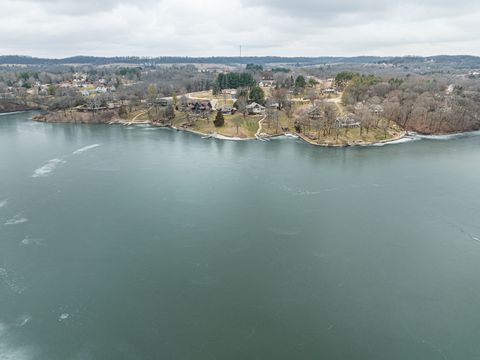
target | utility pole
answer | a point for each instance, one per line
(240, 50)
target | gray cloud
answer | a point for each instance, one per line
(325, 8)
(215, 27)
(82, 7)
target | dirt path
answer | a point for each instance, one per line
(338, 103)
(140, 114)
(260, 126)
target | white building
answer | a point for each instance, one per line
(101, 90)
(255, 108)
(346, 122)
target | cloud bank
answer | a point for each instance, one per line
(59, 28)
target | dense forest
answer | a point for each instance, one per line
(423, 104)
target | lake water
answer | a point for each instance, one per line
(136, 242)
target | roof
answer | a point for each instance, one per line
(253, 105)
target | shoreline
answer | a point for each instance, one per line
(404, 134)
(359, 143)
(215, 135)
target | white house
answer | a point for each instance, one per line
(346, 122)
(255, 108)
(229, 91)
(266, 83)
(101, 90)
(85, 93)
(330, 90)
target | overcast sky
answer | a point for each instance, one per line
(59, 28)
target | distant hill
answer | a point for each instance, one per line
(465, 60)
(27, 60)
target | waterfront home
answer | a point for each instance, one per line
(255, 108)
(346, 122)
(314, 113)
(200, 105)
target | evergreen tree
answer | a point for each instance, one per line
(234, 80)
(257, 95)
(219, 119)
(300, 82)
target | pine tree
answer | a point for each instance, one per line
(300, 82)
(257, 95)
(219, 119)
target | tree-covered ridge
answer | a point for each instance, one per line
(459, 60)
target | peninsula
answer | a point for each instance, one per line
(334, 104)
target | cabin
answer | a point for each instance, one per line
(255, 108)
(346, 122)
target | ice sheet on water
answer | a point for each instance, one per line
(17, 219)
(399, 141)
(23, 320)
(12, 113)
(9, 351)
(32, 241)
(49, 166)
(85, 148)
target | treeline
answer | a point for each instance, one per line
(466, 60)
(135, 60)
(234, 80)
(93, 60)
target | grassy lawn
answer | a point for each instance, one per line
(283, 122)
(246, 127)
(143, 117)
(208, 95)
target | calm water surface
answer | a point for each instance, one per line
(142, 243)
